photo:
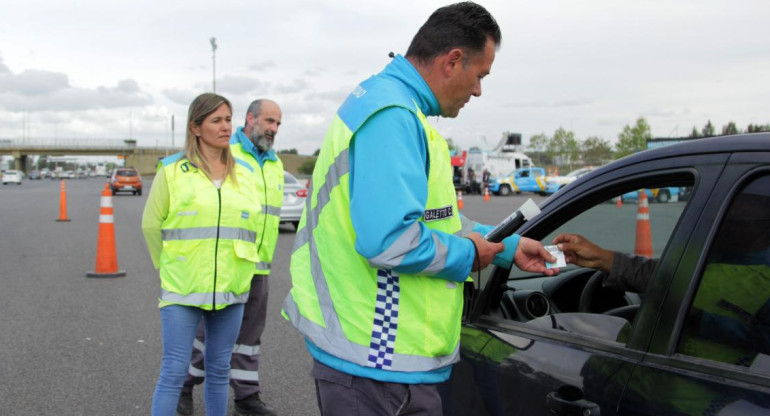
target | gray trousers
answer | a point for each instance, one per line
(341, 394)
(244, 364)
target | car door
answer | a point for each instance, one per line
(710, 352)
(524, 180)
(534, 345)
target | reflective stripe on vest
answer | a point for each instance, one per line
(271, 210)
(329, 335)
(209, 237)
(200, 233)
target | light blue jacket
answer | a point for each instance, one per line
(390, 144)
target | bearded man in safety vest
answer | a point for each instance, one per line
(252, 143)
(380, 256)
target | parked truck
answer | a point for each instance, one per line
(530, 179)
(499, 161)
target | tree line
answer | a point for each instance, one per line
(564, 149)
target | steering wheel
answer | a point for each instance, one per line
(627, 312)
(587, 296)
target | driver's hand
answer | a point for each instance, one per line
(581, 251)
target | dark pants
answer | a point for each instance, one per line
(341, 394)
(244, 365)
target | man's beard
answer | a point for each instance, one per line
(264, 143)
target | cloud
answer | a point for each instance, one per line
(298, 85)
(237, 85)
(181, 97)
(660, 112)
(42, 90)
(550, 104)
(3, 69)
(33, 82)
(313, 72)
(336, 96)
(261, 66)
(50, 93)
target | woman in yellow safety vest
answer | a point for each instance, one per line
(200, 224)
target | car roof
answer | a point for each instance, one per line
(756, 142)
(720, 144)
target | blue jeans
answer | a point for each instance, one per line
(178, 325)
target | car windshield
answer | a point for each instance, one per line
(126, 173)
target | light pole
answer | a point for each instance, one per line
(214, 61)
(172, 132)
(170, 119)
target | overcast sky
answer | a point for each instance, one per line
(102, 69)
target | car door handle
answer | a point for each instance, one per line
(567, 406)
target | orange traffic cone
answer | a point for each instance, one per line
(620, 201)
(62, 203)
(643, 234)
(486, 193)
(459, 199)
(106, 257)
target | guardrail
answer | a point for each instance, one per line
(67, 143)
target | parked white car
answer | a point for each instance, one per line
(12, 176)
(294, 195)
(554, 183)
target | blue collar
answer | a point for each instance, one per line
(403, 71)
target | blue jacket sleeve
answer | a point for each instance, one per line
(388, 193)
(504, 258)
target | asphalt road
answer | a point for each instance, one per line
(73, 345)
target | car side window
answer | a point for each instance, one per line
(729, 318)
(634, 223)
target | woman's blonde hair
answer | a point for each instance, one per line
(201, 107)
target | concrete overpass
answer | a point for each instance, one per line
(142, 158)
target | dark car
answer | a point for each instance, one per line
(696, 341)
(126, 180)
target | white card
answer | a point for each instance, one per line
(560, 260)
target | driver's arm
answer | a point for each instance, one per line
(622, 271)
(630, 272)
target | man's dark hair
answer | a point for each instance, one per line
(465, 25)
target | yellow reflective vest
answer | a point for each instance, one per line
(269, 188)
(209, 236)
(374, 318)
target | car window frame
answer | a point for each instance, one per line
(742, 169)
(579, 197)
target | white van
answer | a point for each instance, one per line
(101, 170)
(497, 163)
